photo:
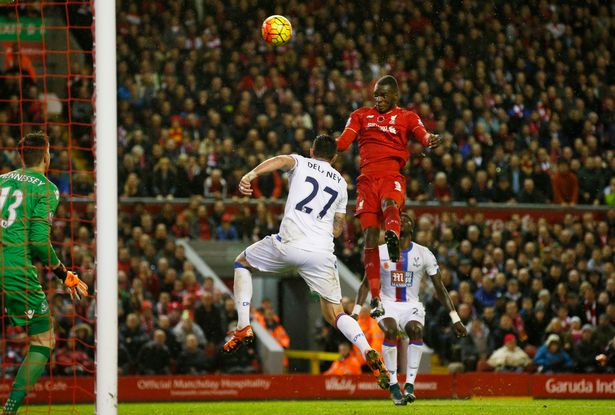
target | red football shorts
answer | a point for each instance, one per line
(372, 190)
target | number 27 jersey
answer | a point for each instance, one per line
(316, 193)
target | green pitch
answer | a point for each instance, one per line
(495, 406)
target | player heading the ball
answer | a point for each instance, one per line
(383, 132)
(314, 214)
(28, 201)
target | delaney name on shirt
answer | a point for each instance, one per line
(329, 174)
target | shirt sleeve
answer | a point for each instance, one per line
(298, 160)
(416, 128)
(42, 217)
(342, 200)
(431, 265)
(351, 131)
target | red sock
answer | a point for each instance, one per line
(392, 221)
(372, 270)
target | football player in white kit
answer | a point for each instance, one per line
(400, 283)
(314, 214)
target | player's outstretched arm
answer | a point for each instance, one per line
(281, 162)
(345, 140)
(445, 299)
(361, 297)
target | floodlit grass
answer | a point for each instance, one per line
(486, 406)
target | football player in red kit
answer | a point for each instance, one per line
(383, 132)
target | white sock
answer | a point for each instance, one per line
(242, 289)
(415, 350)
(351, 329)
(389, 354)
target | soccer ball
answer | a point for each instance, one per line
(277, 30)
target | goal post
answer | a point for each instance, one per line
(106, 209)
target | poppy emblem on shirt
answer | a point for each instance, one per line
(380, 119)
(385, 265)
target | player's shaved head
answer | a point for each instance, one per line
(390, 81)
(33, 147)
(324, 147)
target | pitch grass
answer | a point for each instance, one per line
(483, 406)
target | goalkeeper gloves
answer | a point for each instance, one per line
(75, 287)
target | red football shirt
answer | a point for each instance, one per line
(383, 138)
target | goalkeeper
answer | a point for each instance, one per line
(28, 201)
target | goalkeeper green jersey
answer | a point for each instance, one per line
(28, 201)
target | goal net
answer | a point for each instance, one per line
(47, 84)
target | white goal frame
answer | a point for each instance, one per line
(106, 206)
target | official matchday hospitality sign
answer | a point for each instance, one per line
(256, 387)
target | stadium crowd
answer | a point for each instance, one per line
(524, 97)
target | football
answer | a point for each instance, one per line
(277, 30)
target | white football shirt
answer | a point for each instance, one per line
(401, 281)
(316, 193)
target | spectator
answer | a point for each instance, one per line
(503, 193)
(476, 346)
(486, 294)
(347, 364)
(133, 336)
(551, 358)
(273, 326)
(72, 360)
(606, 360)
(608, 194)
(440, 189)
(164, 181)
(193, 360)
(226, 231)
(510, 357)
(154, 357)
(585, 351)
(590, 182)
(207, 315)
(215, 185)
(268, 186)
(530, 194)
(565, 185)
(185, 327)
(605, 330)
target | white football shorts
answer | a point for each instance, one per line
(403, 312)
(318, 269)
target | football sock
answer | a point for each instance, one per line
(352, 331)
(29, 372)
(242, 289)
(372, 270)
(389, 354)
(415, 351)
(392, 220)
